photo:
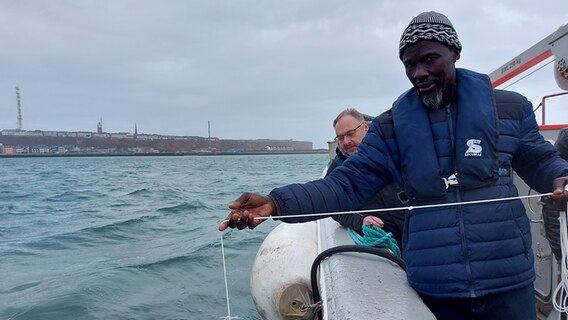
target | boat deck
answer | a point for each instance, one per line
(377, 290)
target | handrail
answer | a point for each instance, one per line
(542, 103)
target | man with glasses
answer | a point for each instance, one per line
(350, 128)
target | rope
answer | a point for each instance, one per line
(375, 237)
(409, 208)
(560, 295)
(225, 275)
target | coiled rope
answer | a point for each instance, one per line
(374, 236)
(560, 295)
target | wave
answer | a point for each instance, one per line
(199, 257)
(176, 260)
(88, 237)
(22, 287)
(132, 228)
(70, 196)
(139, 192)
(17, 253)
(118, 230)
(186, 206)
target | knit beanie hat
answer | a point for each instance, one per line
(432, 26)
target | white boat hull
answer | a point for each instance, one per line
(352, 285)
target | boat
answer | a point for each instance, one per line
(306, 270)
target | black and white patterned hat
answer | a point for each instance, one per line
(431, 26)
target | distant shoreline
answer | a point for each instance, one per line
(162, 154)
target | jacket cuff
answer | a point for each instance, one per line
(274, 205)
(358, 225)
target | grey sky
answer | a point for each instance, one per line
(255, 69)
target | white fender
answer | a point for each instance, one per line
(280, 275)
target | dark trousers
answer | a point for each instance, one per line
(517, 304)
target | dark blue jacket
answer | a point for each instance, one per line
(336, 161)
(458, 250)
(388, 197)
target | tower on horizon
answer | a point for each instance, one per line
(20, 117)
(100, 126)
(135, 131)
(209, 133)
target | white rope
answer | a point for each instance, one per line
(225, 275)
(402, 208)
(560, 295)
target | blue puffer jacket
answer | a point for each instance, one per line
(458, 250)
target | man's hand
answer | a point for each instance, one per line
(245, 209)
(373, 221)
(559, 194)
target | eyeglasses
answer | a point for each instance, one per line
(349, 134)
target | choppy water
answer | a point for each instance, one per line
(131, 237)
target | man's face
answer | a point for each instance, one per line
(349, 133)
(430, 66)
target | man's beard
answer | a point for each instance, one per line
(433, 102)
(345, 153)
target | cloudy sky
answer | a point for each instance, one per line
(255, 69)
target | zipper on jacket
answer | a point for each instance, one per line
(458, 199)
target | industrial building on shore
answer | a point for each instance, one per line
(22, 142)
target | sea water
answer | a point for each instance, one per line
(132, 237)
